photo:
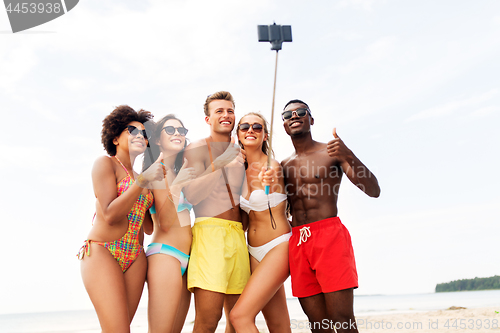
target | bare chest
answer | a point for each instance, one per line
(311, 169)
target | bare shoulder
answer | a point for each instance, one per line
(287, 160)
(319, 151)
(320, 146)
(196, 144)
(192, 151)
(103, 163)
(275, 163)
(103, 168)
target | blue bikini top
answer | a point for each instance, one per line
(183, 205)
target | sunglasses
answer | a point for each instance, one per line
(170, 130)
(132, 130)
(300, 112)
(257, 128)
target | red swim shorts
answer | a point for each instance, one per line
(321, 258)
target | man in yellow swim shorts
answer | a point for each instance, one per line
(219, 265)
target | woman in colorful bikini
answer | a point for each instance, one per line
(268, 233)
(113, 263)
(168, 254)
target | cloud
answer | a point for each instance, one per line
(22, 157)
(15, 64)
(359, 4)
(75, 84)
(44, 110)
(349, 35)
(496, 20)
(378, 52)
(454, 106)
(484, 112)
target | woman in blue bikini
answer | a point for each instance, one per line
(268, 234)
(168, 254)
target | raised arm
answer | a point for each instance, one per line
(200, 187)
(206, 178)
(354, 169)
(167, 198)
(273, 177)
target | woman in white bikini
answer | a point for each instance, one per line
(268, 233)
(168, 254)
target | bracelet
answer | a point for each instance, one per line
(169, 196)
(141, 181)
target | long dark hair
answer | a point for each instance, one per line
(150, 158)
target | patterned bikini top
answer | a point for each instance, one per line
(141, 205)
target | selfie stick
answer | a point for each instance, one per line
(276, 34)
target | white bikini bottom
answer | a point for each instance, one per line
(260, 252)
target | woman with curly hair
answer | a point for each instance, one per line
(268, 233)
(113, 263)
(168, 254)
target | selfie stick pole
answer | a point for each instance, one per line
(270, 139)
(276, 34)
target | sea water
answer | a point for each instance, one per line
(85, 321)
(383, 304)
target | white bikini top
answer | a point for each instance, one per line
(258, 201)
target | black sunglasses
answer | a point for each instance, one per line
(170, 130)
(132, 130)
(257, 128)
(300, 112)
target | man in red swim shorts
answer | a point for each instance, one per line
(322, 265)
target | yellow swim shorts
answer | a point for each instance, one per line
(219, 259)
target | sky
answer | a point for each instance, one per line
(412, 87)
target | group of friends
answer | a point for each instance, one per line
(293, 230)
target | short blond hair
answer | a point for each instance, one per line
(224, 95)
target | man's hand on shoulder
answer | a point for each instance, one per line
(231, 154)
(184, 175)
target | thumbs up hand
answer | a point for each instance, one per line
(184, 175)
(155, 172)
(336, 148)
(335, 133)
(231, 154)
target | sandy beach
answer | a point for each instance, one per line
(458, 320)
(472, 319)
(441, 321)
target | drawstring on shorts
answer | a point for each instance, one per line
(305, 233)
